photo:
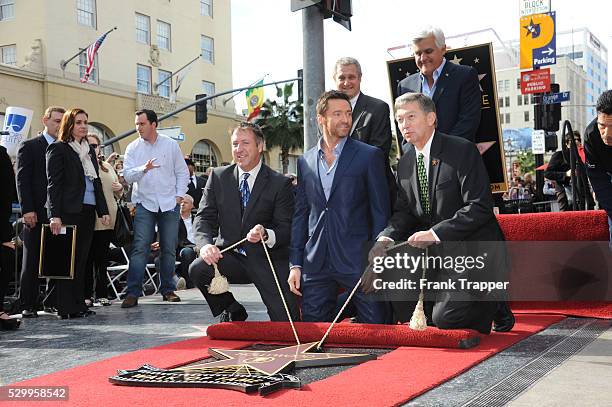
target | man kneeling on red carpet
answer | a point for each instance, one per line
(444, 196)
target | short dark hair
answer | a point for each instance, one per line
(250, 126)
(51, 109)
(327, 96)
(189, 161)
(151, 115)
(604, 102)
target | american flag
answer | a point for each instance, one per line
(91, 52)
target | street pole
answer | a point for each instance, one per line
(314, 68)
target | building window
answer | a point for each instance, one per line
(207, 45)
(143, 29)
(500, 102)
(7, 9)
(163, 35)
(203, 156)
(518, 83)
(519, 100)
(552, 78)
(526, 115)
(163, 89)
(86, 12)
(525, 100)
(500, 86)
(507, 117)
(501, 119)
(8, 54)
(93, 75)
(208, 88)
(507, 101)
(143, 79)
(506, 84)
(206, 8)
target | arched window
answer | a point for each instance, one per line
(203, 156)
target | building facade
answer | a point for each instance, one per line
(152, 41)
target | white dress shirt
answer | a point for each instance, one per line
(251, 182)
(157, 188)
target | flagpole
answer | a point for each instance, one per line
(64, 63)
(239, 92)
(155, 86)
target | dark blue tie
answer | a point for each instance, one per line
(245, 193)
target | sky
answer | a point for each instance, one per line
(267, 36)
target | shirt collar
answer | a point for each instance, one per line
(48, 137)
(427, 147)
(337, 149)
(354, 100)
(436, 73)
(252, 174)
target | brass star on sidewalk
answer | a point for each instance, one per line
(278, 360)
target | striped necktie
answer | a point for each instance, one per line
(245, 193)
(423, 184)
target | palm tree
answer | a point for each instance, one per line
(282, 123)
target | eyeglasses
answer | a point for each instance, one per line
(94, 145)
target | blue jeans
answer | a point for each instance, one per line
(601, 182)
(144, 233)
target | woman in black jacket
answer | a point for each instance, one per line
(74, 197)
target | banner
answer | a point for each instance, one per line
(488, 135)
(17, 122)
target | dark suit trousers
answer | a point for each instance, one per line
(239, 270)
(29, 290)
(70, 294)
(97, 262)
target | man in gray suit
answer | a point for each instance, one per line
(454, 88)
(444, 196)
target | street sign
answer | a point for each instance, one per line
(537, 81)
(555, 98)
(538, 40)
(538, 142)
(173, 132)
(528, 7)
(297, 5)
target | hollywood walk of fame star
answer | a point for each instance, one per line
(455, 60)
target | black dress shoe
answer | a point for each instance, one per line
(237, 312)
(29, 313)
(50, 310)
(87, 313)
(9, 324)
(70, 316)
(503, 320)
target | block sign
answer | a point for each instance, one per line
(538, 40)
(528, 7)
(537, 81)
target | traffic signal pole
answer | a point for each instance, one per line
(195, 102)
(314, 68)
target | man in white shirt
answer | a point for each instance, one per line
(155, 165)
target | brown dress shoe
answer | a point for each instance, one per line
(171, 297)
(129, 302)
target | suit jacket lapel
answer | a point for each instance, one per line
(260, 184)
(434, 169)
(358, 112)
(344, 161)
(442, 80)
(414, 183)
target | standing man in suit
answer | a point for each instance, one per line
(454, 88)
(245, 199)
(196, 184)
(32, 193)
(340, 205)
(444, 196)
(370, 117)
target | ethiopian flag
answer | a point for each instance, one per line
(255, 99)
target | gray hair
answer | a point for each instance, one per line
(426, 104)
(189, 198)
(427, 32)
(347, 61)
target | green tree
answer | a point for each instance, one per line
(526, 161)
(282, 122)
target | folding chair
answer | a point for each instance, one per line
(121, 269)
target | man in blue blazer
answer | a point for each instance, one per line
(342, 202)
(454, 88)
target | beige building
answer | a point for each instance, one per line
(153, 39)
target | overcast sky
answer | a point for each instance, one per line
(267, 36)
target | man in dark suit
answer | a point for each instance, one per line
(245, 199)
(32, 192)
(196, 183)
(444, 196)
(340, 205)
(454, 88)
(370, 117)
(186, 250)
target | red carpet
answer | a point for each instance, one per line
(595, 309)
(556, 226)
(394, 378)
(345, 334)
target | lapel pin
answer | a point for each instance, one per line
(434, 162)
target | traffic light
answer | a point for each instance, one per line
(547, 116)
(201, 114)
